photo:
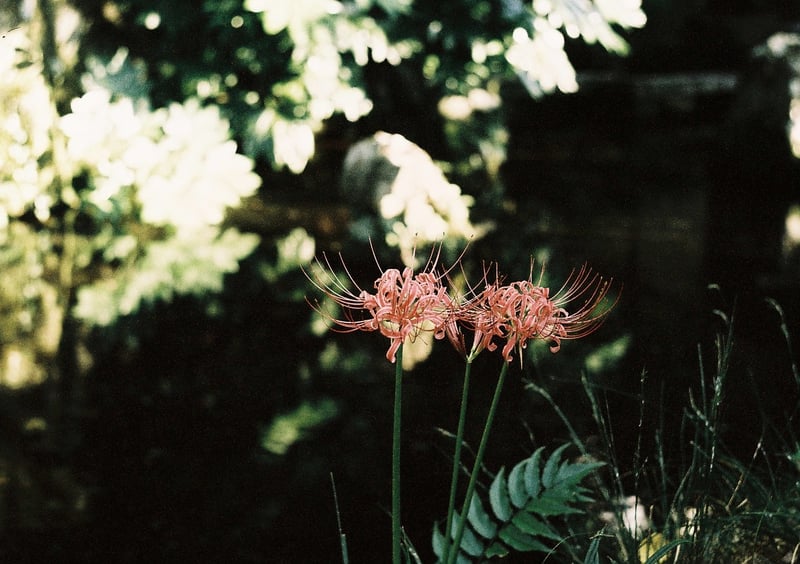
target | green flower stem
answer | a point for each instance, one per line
(473, 479)
(398, 397)
(462, 416)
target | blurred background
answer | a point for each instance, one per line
(167, 169)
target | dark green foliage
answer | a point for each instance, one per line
(520, 504)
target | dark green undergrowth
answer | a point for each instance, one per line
(713, 484)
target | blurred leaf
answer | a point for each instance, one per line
(287, 429)
(182, 265)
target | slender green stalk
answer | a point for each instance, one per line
(462, 416)
(398, 400)
(473, 479)
(342, 536)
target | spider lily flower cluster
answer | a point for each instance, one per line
(522, 311)
(405, 305)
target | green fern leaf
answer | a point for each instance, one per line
(551, 467)
(520, 541)
(498, 497)
(437, 541)
(582, 496)
(532, 525)
(550, 507)
(470, 543)
(572, 474)
(517, 492)
(529, 523)
(496, 549)
(480, 520)
(563, 493)
(438, 547)
(519, 503)
(533, 483)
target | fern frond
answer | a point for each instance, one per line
(519, 505)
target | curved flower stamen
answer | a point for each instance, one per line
(593, 290)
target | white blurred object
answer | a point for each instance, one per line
(630, 515)
(180, 159)
(389, 175)
(539, 57)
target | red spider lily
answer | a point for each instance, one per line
(522, 311)
(403, 305)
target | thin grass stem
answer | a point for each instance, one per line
(473, 479)
(342, 536)
(398, 400)
(462, 416)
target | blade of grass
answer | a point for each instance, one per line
(342, 536)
